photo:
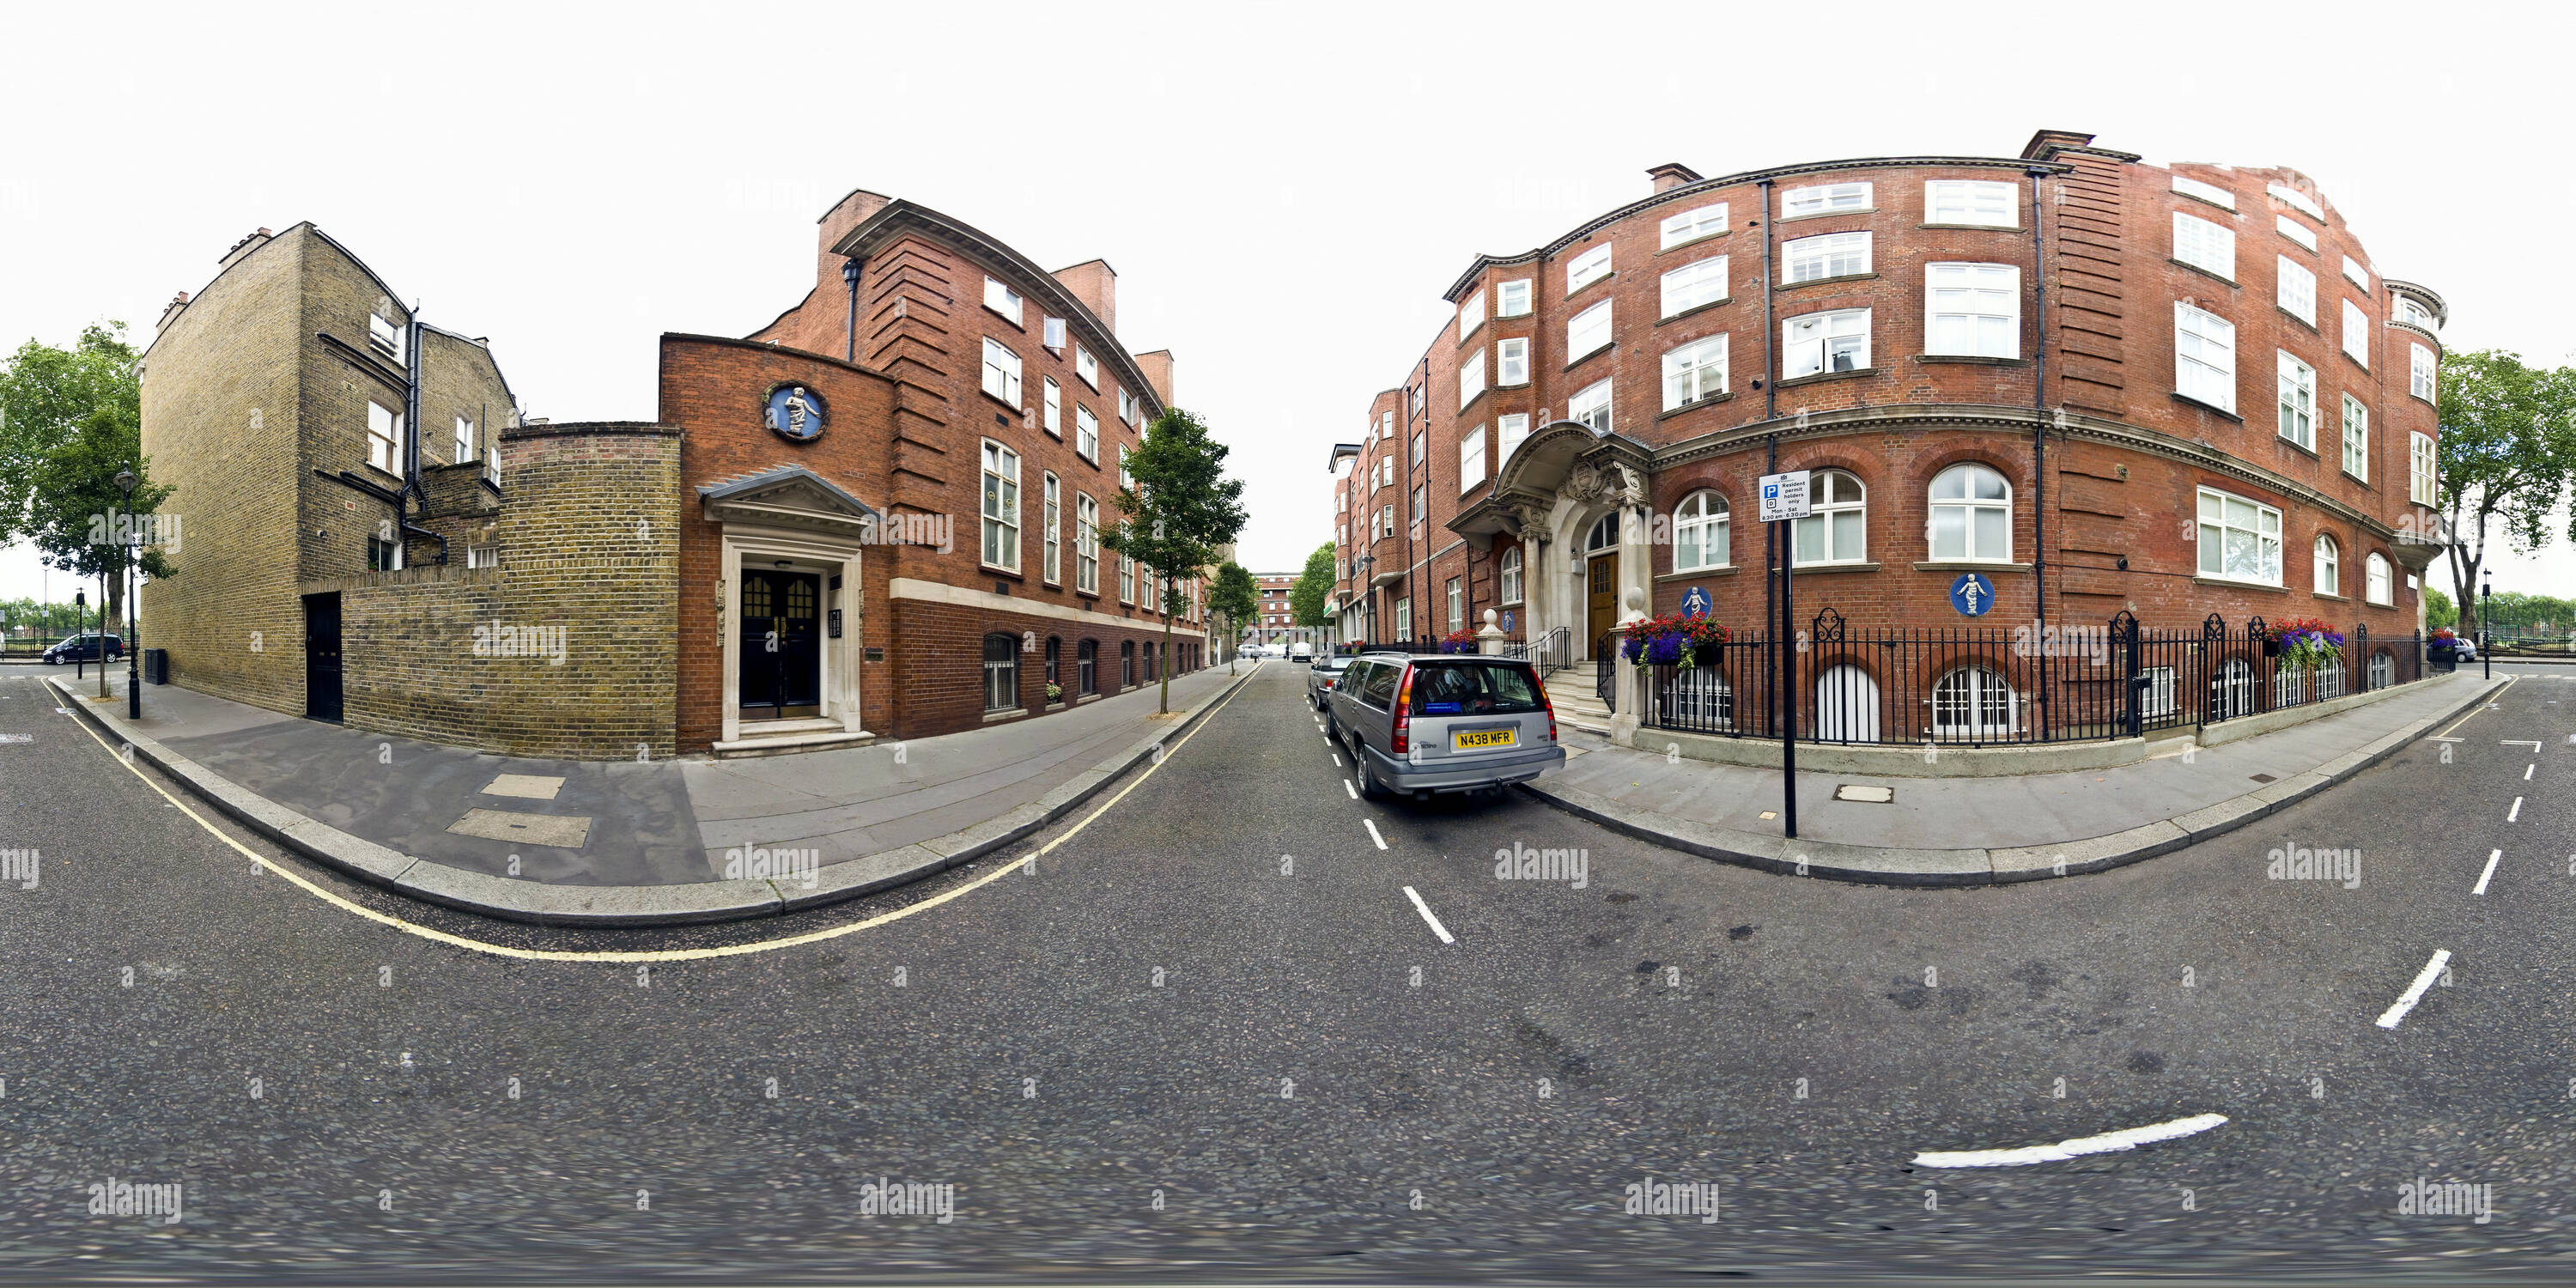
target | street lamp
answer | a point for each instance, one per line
(125, 482)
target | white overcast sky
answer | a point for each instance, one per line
(1284, 189)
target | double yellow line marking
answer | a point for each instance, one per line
(659, 955)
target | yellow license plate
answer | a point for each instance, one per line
(1471, 739)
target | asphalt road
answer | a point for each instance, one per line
(1208, 1035)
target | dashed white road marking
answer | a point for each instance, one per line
(2107, 1142)
(1346, 786)
(1425, 909)
(2415, 991)
(2514, 813)
(1372, 827)
(2483, 877)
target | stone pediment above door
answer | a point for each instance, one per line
(789, 496)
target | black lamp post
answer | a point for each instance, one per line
(125, 482)
(2486, 632)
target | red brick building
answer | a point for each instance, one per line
(892, 495)
(2096, 384)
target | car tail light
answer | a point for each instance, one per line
(1404, 713)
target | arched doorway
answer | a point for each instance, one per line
(1601, 577)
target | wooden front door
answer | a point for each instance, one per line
(1603, 612)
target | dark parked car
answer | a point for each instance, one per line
(1425, 724)
(83, 648)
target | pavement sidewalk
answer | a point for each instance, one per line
(1980, 831)
(617, 843)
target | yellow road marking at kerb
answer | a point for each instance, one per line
(2496, 696)
(661, 955)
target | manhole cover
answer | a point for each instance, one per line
(1865, 794)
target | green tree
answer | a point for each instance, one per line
(1179, 511)
(69, 421)
(2439, 611)
(1233, 599)
(2507, 455)
(1306, 598)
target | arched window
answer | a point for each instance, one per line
(2376, 569)
(1971, 514)
(1700, 532)
(1087, 667)
(1973, 702)
(1054, 656)
(2329, 566)
(1833, 531)
(1511, 592)
(1604, 534)
(1001, 672)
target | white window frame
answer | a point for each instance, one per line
(1826, 503)
(1086, 543)
(1471, 458)
(2378, 586)
(2297, 200)
(1086, 434)
(1589, 267)
(1471, 314)
(1695, 372)
(1510, 587)
(1086, 366)
(2422, 368)
(2296, 289)
(1053, 408)
(1973, 201)
(1471, 377)
(1003, 300)
(1054, 501)
(1811, 341)
(2325, 566)
(1826, 199)
(1001, 371)
(2296, 407)
(2264, 531)
(2201, 340)
(1591, 407)
(1968, 505)
(1587, 332)
(2209, 192)
(2354, 273)
(1971, 294)
(1001, 506)
(1702, 525)
(1511, 362)
(2424, 463)
(384, 437)
(2296, 231)
(1693, 285)
(2356, 438)
(2210, 247)
(1509, 432)
(1691, 225)
(2356, 334)
(1814, 259)
(1512, 298)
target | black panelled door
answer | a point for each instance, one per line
(782, 651)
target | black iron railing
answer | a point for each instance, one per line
(1991, 686)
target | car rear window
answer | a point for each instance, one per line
(1474, 689)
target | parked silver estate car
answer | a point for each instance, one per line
(1444, 723)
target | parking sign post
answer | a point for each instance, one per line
(1784, 498)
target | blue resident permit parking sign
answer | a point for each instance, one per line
(1695, 602)
(1972, 594)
